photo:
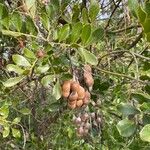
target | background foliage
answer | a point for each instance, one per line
(42, 42)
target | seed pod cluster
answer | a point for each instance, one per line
(82, 124)
(75, 94)
(88, 78)
(85, 122)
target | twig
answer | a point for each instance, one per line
(117, 5)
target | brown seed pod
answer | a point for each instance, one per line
(87, 68)
(66, 88)
(40, 54)
(79, 103)
(86, 131)
(88, 79)
(81, 92)
(73, 96)
(87, 125)
(86, 98)
(72, 106)
(85, 117)
(72, 102)
(74, 86)
(80, 131)
(65, 94)
(78, 121)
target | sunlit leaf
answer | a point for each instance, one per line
(15, 68)
(16, 133)
(145, 133)
(57, 90)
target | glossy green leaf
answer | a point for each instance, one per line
(98, 34)
(14, 68)
(85, 16)
(16, 120)
(145, 133)
(141, 15)
(127, 109)
(13, 81)
(146, 25)
(93, 11)
(64, 32)
(4, 17)
(4, 111)
(6, 131)
(76, 31)
(20, 60)
(16, 20)
(126, 127)
(57, 90)
(88, 56)
(86, 32)
(141, 97)
(45, 21)
(25, 111)
(28, 53)
(30, 3)
(133, 5)
(30, 26)
(46, 80)
(43, 69)
(11, 33)
(16, 133)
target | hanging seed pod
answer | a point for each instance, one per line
(66, 88)
(85, 117)
(80, 131)
(87, 68)
(72, 102)
(74, 86)
(73, 96)
(73, 106)
(81, 92)
(88, 79)
(86, 98)
(79, 103)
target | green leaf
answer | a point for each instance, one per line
(145, 133)
(4, 111)
(98, 34)
(45, 21)
(141, 14)
(146, 25)
(13, 81)
(16, 20)
(126, 127)
(14, 68)
(141, 97)
(64, 32)
(93, 11)
(86, 32)
(16, 120)
(42, 69)
(46, 80)
(11, 33)
(16, 133)
(76, 31)
(20, 60)
(28, 53)
(4, 16)
(25, 111)
(84, 16)
(88, 56)
(133, 6)
(30, 26)
(6, 131)
(57, 90)
(127, 109)
(30, 3)
(147, 9)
